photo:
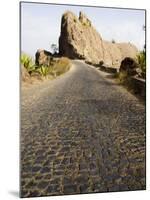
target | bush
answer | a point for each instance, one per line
(129, 65)
(57, 68)
(62, 66)
(101, 63)
(113, 41)
(27, 62)
(141, 59)
(43, 70)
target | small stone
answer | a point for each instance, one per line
(45, 170)
(84, 188)
(92, 166)
(55, 181)
(53, 189)
(36, 168)
(42, 184)
(24, 193)
(58, 172)
(40, 152)
(34, 193)
(67, 180)
(70, 189)
(114, 188)
(81, 179)
(123, 187)
(31, 184)
(66, 161)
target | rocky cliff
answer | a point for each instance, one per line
(79, 39)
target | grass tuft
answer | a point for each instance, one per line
(61, 66)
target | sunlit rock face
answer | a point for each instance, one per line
(79, 39)
(42, 57)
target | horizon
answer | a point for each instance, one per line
(39, 20)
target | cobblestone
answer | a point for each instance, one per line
(81, 133)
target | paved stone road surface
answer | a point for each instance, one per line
(81, 133)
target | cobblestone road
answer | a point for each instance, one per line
(81, 133)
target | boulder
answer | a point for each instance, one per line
(79, 39)
(129, 66)
(43, 57)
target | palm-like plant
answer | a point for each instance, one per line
(43, 70)
(27, 62)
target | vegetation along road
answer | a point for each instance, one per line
(81, 133)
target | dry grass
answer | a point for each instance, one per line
(61, 66)
(123, 79)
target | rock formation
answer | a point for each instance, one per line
(129, 66)
(79, 39)
(42, 57)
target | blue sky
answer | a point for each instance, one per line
(40, 24)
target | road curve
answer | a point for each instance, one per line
(81, 133)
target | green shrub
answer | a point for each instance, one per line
(55, 68)
(141, 59)
(43, 70)
(27, 62)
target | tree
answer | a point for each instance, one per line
(113, 41)
(54, 48)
